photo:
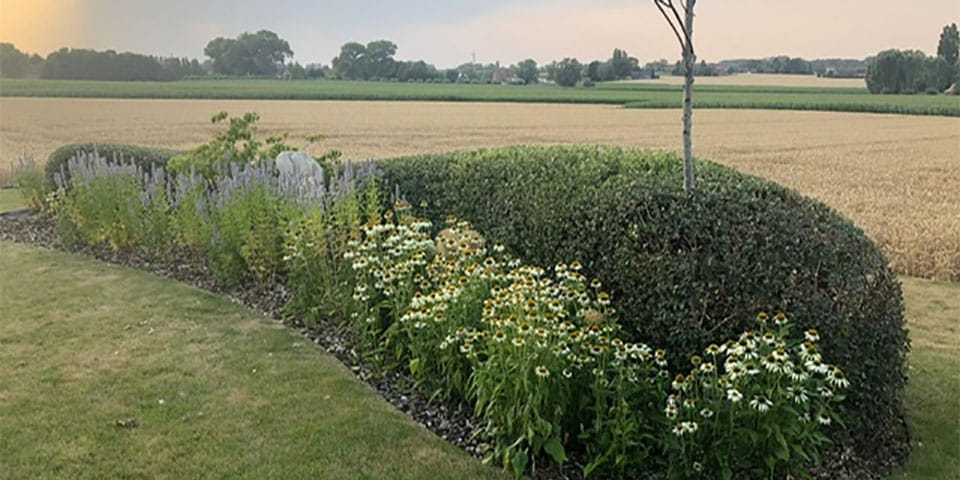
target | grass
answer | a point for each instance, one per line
(636, 95)
(933, 392)
(214, 390)
(218, 391)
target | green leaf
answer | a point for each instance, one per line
(519, 462)
(415, 366)
(554, 448)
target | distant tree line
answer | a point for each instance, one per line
(912, 71)
(83, 64)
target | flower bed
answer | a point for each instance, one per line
(539, 355)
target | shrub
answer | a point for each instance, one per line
(147, 158)
(687, 269)
(238, 144)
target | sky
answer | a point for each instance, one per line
(448, 33)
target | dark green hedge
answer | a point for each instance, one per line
(147, 156)
(690, 270)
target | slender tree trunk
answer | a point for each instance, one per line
(689, 62)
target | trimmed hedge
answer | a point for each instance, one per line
(687, 270)
(146, 156)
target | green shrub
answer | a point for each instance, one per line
(147, 158)
(685, 270)
(238, 144)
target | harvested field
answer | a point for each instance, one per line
(895, 176)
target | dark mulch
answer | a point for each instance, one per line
(453, 423)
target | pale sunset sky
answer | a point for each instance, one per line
(447, 32)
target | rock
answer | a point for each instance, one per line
(300, 175)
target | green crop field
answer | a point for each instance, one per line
(637, 95)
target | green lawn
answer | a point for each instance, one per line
(88, 350)
(933, 393)
(637, 95)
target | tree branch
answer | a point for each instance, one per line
(669, 4)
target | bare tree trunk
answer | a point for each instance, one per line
(689, 63)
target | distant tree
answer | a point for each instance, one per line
(295, 71)
(83, 64)
(366, 62)
(949, 46)
(683, 30)
(527, 71)
(593, 71)
(661, 65)
(622, 64)
(452, 75)
(13, 62)
(261, 53)
(567, 72)
(349, 64)
(378, 59)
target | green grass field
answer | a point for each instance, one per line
(109, 372)
(635, 95)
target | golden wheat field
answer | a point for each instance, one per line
(897, 177)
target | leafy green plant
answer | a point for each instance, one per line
(120, 205)
(29, 178)
(754, 407)
(315, 244)
(238, 144)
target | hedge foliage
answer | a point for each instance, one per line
(147, 157)
(685, 270)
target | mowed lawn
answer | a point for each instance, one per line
(107, 372)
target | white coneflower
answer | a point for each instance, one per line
(811, 335)
(465, 348)
(761, 403)
(670, 412)
(798, 376)
(518, 341)
(713, 349)
(734, 395)
(837, 379)
(542, 371)
(825, 393)
(780, 355)
(780, 319)
(816, 365)
(677, 382)
(823, 419)
(706, 413)
(800, 396)
(690, 427)
(678, 430)
(689, 403)
(567, 373)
